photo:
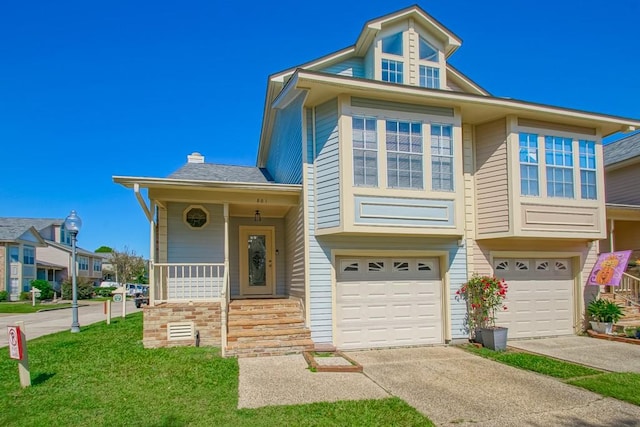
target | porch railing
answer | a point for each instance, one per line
(188, 281)
(629, 289)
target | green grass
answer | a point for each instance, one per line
(533, 362)
(20, 307)
(619, 385)
(104, 377)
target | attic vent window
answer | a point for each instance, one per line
(196, 217)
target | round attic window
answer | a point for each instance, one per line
(196, 216)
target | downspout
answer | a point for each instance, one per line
(152, 257)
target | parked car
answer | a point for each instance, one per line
(142, 298)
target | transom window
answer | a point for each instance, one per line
(365, 152)
(441, 158)
(392, 71)
(404, 154)
(429, 77)
(83, 263)
(376, 266)
(392, 44)
(529, 183)
(559, 160)
(427, 52)
(587, 151)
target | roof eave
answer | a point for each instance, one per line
(146, 182)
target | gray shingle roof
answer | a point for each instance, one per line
(222, 173)
(13, 228)
(622, 149)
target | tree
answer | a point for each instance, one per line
(103, 250)
(128, 267)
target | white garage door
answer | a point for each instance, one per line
(540, 297)
(388, 302)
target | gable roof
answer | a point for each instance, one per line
(622, 149)
(12, 229)
(222, 173)
(80, 251)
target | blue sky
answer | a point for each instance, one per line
(89, 90)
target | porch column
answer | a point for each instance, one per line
(152, 256)
(611, 230)
(225, 284)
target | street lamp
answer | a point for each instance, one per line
(72, 224)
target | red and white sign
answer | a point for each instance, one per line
(15, 342)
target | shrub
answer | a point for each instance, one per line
(46, 291)
(4, 296)
(104, 292)
(25, 296)
(484, 296)
(602, 310)
(85, 288)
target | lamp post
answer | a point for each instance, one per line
(72, 224)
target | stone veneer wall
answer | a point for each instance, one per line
(3, 264)
(205, 315)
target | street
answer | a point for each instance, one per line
(48, 322)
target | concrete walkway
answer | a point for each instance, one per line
(48, 322)
(446, 384)
(594, 352)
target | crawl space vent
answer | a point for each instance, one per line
(180, 331)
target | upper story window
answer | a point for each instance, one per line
(392, 71)
(365, 152)
(429, 77)
(83, 263)
(14, 253)
(587, 151)
(65, 237)
(392, 44)
(29, 255)
(529, 182)
(97, 265)
(559, 160)
(404, 154)
(427, 52)
(441, 158)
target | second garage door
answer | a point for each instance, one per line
(540, 299)
(388, 302)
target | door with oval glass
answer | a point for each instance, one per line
(257, 260)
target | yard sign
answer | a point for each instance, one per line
(15, 342)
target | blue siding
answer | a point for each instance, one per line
(327, 164)
(399, 211)
(353, 67)
(185, 244)
(369, 65)
(284, 162)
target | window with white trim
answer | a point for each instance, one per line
(404, 154)
(428, 70)
(392, 44)
(392, 71)
(427, 52)
(14, 253)
(429, 77)
(441, 158)
(559, 161)
(529, 181)
(365, 152)
(97, 265)
(83, 263)
(29, 255)
(587, 151)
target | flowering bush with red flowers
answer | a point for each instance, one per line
(484, 296)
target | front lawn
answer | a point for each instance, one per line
(619, 385)
(20, 307)
(103, 376)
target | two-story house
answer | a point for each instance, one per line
(48, 251)
(385, 177)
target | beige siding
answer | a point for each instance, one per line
(626, 237)
(294, 223)
(469, 194)
(492, 193)
(536, 217)
(622, 185)
(555, 126)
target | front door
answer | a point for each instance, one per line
(257, 261)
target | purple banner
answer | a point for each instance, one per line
(609, 268)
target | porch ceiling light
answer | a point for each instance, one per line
(257, 217)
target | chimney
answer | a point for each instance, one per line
(195, 157)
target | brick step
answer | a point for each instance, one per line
(266, 332)
(277, 327)
(256, 345)
(251, 321)
(265, 311)
(258, 304)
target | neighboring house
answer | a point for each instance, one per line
(385, 177)
(18, 245)
(622, 179)
(52, 257)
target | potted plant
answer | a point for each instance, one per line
(604, 314)
(484, 296)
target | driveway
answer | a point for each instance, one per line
(451, 386)
(48, 322)
(597, 353)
